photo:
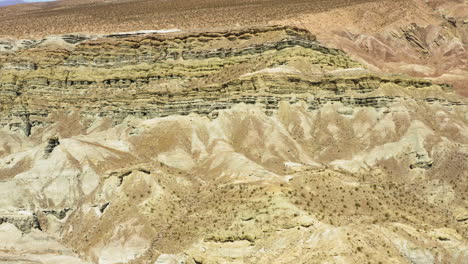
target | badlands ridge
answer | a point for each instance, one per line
(253, 145)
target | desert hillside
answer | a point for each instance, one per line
(292, 137)
(421, 38)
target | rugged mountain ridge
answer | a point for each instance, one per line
(419, 38)
(225, 147)
(179, 75)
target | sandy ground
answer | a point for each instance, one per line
(91, 16)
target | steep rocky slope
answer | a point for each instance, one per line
(420, 38)
(256, 145)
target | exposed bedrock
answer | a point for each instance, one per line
(23, 220)
(160, 75)
(244, 146)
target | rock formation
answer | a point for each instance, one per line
(421, 38)
(252, 145)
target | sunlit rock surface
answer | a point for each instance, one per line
(256, 145)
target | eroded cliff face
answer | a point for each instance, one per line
(245, 146)
(420, 38)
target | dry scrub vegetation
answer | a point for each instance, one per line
(113, 16)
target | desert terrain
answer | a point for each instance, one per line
(96, 16)
(169, 132)
(420, 38)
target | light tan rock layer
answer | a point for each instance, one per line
(248, 146)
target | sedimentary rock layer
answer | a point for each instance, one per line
(245, 146)
(160, 75)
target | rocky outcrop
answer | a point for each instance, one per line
(23, 220)
(149, 76)
(420, 38)
(59, 214)
(51, 144)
